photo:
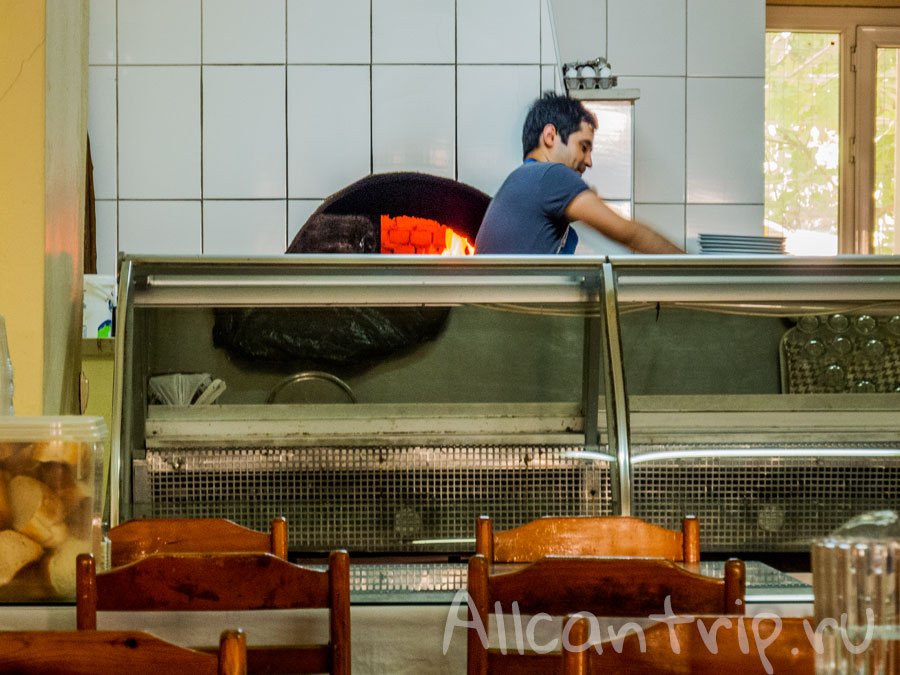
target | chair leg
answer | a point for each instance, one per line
(86, 592)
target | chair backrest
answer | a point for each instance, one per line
(587, 535)
(228, 581)
(611, 587)
(707, 645)
(50, 652)
(135, 539)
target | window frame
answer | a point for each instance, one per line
(855, 159)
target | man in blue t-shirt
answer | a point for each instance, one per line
(532, 210)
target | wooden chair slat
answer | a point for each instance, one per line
(114, 652)
(789, 653)
(587, 535)
(611, 587)
(138, 538)
(233, 582)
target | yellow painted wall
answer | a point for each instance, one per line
(43, 126)
(22, 67)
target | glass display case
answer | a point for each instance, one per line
(382, 403)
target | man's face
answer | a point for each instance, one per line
(576, 153)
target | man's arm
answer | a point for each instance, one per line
(592, 210)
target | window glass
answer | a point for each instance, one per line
(884, 239)
(801, 160)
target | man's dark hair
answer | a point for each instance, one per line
(564, 113)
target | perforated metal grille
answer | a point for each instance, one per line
(376, 499)
(762, 504)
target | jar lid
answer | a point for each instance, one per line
(28, 429)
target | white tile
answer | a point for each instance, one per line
(159, 31)
(244, 150)
(413, 126)
(299, 211)
(498, 31)
(724, 148)
(492, 104)
(102, 129)
(102, 41)
(639, 46)
(244, 227)
(336, 31)
(612, 171)
(159, 132)
(107, 237)
(329, 143)
(412, 31)
(726, 37)
(549, 80)
(243, 31)
(667, 219)
(580, 29)
(160, 228)
(548, 35)
(591, 242)
(745, 219)
(658, 138)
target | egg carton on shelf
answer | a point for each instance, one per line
(596, 74)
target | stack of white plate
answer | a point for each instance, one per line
(731, 244)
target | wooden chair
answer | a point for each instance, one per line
(135, 539)
(228, 581)
(788, 652)
(610, 587)
(69, 652)
(588, 535)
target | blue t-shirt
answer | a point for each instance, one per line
(527, 215)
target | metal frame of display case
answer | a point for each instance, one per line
(311, 280)
(601, 419)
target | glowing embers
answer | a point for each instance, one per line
(406, 234)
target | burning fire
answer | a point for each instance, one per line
(457, 245)
(407, 234)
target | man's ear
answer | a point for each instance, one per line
(549, 135)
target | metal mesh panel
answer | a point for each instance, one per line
(376, 499)
(762, 503)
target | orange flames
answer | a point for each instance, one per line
(406, 234)
(457, 245)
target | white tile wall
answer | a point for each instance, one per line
(244, 148)
(581, 28)
(336, 31)
(724, 148)
(493, 102)
(667, 219)
(298, 131)
(328, 128)
(102, 46)
(726, 38)
(236, 227)
(107, 235)
(102, 129)
(549, 79)
(412, 31)
(498, 31)
(548, 41)
(243, 31)
(159, 31)
(641, 47)
(413, 119)
(159, 132)
(299, 211)
(721, 219)
(160, 227)
(659, 125)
